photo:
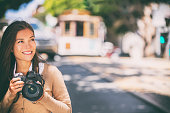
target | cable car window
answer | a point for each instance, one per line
(79, 30)
(91, 29)
(67, 27)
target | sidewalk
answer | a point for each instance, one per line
(149, 75)
(148, 79)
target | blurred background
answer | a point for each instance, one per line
(114, 54)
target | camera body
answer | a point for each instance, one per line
(33, 85)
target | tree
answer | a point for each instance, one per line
(56, 7)
(120, 16)
(10, 4)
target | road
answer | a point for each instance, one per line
(90, 92)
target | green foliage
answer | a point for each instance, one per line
(10, 4)
(119, 16)
(56, 7)
(93, 6)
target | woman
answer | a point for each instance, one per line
(18, 55)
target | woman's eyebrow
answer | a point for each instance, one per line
(32, 36)
(20, 39)
(23, 39)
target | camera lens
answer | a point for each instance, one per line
(32, 89)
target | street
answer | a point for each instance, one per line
(91, 92)
(114, 55)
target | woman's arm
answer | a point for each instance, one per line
(14, 87)
(6, 102)
(60, 102)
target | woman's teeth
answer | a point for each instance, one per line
(27, 52)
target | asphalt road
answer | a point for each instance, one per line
(92, 94)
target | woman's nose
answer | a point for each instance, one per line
(27, 45)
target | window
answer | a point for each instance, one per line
(79, 30)
(67, 27)
(91, 29)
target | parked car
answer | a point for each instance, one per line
(46, 41)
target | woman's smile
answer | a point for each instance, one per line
(27, 52)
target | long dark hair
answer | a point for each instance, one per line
(7, 58)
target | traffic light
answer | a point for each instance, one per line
(163, 38)
(163, 42)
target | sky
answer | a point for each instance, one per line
(24, 11)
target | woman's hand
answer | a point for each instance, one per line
(15, 85)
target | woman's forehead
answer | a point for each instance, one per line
(25, 33)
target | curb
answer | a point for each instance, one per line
(152, 99)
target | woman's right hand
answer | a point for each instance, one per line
(15, 85)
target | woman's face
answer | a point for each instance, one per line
(25, 47)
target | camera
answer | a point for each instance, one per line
(33, 85)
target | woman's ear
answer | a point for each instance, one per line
(12, 50)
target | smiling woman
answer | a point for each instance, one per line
(24, 47)
(18, 57)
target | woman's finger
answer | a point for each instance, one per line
(18, 86)
(15, 79)
(18, 83)
(18, 89)
(15, 90)
(38, 82)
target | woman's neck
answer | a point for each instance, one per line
(23, 67)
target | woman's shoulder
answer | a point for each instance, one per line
(50, 69)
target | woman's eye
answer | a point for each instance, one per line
(20, 41)
(32, 39)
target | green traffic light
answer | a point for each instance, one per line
(162, 40)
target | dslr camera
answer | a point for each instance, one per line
(33, 85)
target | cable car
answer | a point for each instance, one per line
(80, 33)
